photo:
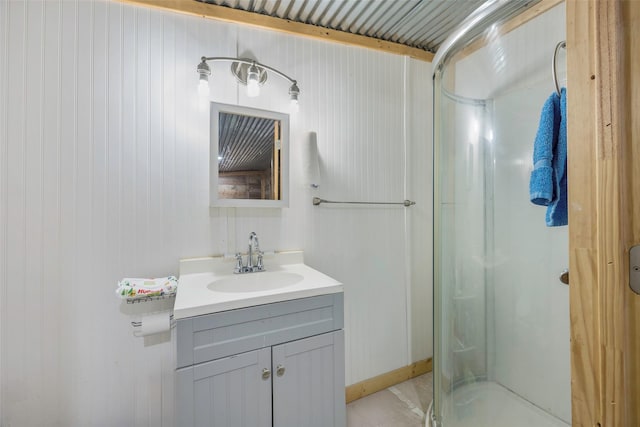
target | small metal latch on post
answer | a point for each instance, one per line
(634, 269)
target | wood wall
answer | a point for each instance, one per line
(631, 107)
(245, 185)
(604, 209)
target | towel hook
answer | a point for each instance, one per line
(561, 45)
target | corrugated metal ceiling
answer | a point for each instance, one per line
(423, 24)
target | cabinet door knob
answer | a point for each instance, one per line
(280, 370)
(266, 374)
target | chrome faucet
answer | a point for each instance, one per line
(254, 248)
(253, 240)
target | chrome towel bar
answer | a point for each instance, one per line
(406, 203)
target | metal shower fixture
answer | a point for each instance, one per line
(249, 72)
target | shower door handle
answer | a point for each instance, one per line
(634, 268)
(564, 277)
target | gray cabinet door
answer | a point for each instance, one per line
(308, 382)
(228, 392)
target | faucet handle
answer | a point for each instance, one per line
(260, 266)
(238, 268)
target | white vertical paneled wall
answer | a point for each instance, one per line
(104, 174)
(4, 22)
(419, 225)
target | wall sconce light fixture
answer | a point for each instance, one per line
(248, 72)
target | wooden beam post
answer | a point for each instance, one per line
(227, 14)
(604, 216)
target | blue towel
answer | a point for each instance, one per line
(548, 184)
(541, 183)
(557, 212)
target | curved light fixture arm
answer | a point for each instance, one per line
(248, 62)
(249, 72)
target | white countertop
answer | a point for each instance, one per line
(197, 293)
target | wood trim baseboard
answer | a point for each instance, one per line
(227, 14)
(375, 384)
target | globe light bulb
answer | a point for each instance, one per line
(204, 72)
(203, 88)
(294, 91)
(253, 82)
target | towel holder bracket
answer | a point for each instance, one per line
(147, 299)
(554, 70)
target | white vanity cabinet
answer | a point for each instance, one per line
(278, 364)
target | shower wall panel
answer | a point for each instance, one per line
(528, 325)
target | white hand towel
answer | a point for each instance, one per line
(311, 162)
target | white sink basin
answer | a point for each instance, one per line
(208, 285)
(252, 282)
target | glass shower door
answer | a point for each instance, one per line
(501, 315)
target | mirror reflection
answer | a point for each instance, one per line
(250, 163)
(248, 157)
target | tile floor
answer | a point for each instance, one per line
(403, 405)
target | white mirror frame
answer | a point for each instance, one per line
(216, 109)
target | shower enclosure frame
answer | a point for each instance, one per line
(509, 15)
(604, 215)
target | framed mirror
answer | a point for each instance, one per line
(249, 164)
